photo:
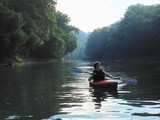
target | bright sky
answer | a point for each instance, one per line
(88, 15)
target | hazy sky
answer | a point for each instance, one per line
(88, 15)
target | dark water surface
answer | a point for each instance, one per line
(49, 91)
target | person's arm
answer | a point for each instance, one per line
(91, 77)
(107, 75)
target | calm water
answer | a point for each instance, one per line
(49, 91)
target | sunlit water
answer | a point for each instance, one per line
(50, 91)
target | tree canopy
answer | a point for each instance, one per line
(34, 28)
(137, 35)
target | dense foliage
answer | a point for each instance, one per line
(34, 28)
(137, 35)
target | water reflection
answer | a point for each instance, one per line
(99, 95)
(31, 90)
(40, 91)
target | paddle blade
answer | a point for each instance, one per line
(129, 80)
(76, 70)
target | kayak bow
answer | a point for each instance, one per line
(107, 84)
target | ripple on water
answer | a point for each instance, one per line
(15, 117)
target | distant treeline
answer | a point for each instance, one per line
(78, 53)
(34, 28)
(137, 35)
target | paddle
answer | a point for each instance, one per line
(128, 80)
(76, 70)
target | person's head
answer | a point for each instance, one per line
(97, 65)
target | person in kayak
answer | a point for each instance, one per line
(98, 73)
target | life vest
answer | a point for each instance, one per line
(99, 75)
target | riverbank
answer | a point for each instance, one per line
(17, 60)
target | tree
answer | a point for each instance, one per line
(31, 27)
(135, 36)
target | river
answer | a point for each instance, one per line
(50, 91)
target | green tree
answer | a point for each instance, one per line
(135, 36)
(32, 27)
(12, 36)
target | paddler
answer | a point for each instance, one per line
(98, 73)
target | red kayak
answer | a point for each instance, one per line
(107, 84)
